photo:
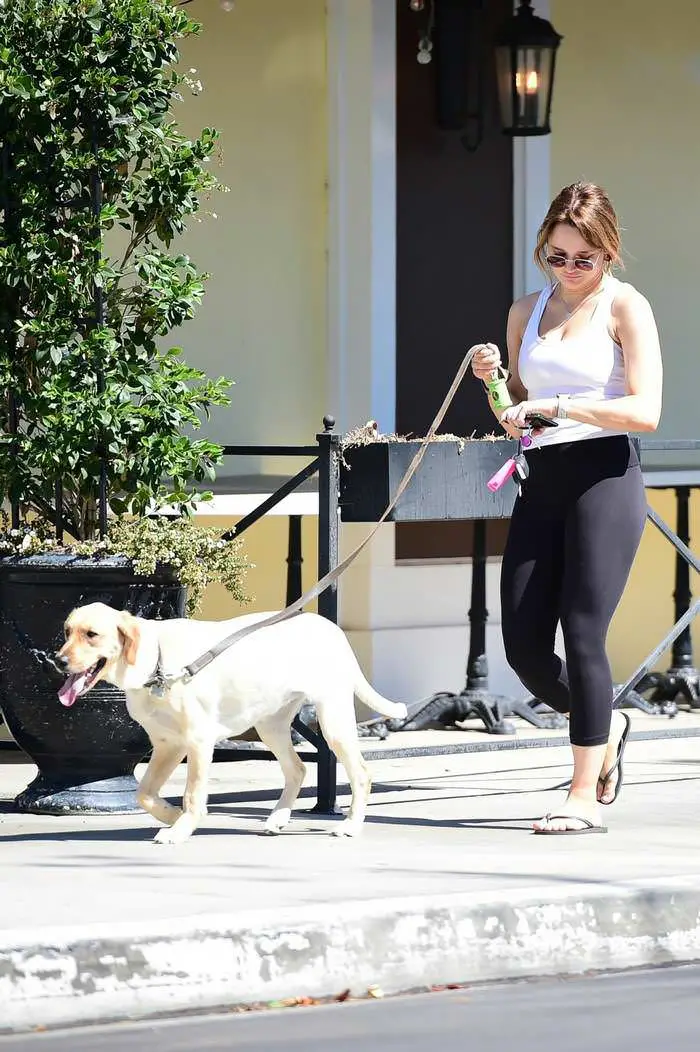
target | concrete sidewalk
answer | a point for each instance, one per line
(445, 885)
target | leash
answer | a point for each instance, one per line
(160, 681)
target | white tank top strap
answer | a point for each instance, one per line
(603, 307)
(606, 292)
(532, 329)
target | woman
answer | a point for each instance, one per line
(584, 352)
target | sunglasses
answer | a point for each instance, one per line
(557, 262)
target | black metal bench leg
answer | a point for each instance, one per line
(476, 700)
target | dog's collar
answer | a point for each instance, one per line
(159, 680)
(156, 682)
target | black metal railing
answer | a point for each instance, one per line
(682, 678)
(325, 463)
(489, 708)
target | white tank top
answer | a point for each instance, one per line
(589, 365)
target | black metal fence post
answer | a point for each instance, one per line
(328, 522)
(328, 537)
(294, 560)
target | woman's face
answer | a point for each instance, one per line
(565, 243)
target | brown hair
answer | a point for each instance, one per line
(588, 209)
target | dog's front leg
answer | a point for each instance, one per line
(194, 800)
(164, 759)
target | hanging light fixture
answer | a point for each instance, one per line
(526, 50)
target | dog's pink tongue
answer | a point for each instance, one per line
(72, 688)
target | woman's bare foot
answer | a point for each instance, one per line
(607, 783)
(573, 815)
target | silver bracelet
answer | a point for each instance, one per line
(562, 406)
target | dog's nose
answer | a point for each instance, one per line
(62, 660)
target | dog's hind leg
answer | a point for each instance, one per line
(337, 721)
(164, 759)
(275, 733)
(194, 800)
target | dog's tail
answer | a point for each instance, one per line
(394, 710)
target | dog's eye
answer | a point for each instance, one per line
(90, 634)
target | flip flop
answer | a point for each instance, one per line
(617, 766)
(588, 827)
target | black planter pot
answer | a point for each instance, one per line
(86, 754)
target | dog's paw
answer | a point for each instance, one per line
(276, 822)
(347, 828)
(170, 835)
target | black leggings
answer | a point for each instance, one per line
(572, 540)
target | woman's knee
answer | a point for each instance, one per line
(584, 638)
(539, 670)
(525, 655)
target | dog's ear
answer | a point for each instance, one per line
(130, 634)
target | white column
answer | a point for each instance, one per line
(362, 212)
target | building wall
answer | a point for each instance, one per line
(625, 114)
(263, 67)
(263, 320)
(626, 105)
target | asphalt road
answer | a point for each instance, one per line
(646, 1011)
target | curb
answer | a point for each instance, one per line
(70, 976)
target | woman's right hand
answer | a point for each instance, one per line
(486, 360)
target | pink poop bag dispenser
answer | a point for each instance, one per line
(505, 472)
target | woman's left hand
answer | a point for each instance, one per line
(516, 415)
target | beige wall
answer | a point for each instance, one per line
(625, 114)
(266, 583)
(263, 320)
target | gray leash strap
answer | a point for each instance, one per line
(297, 606)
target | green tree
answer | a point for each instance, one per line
(91, 158)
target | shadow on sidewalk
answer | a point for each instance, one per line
(123, 833)
(515, 824)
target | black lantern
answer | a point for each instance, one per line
(526, 49)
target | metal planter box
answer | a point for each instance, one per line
(448, 484)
